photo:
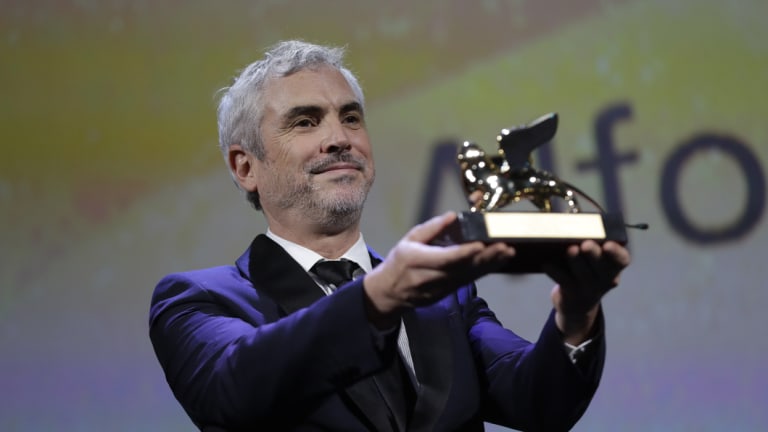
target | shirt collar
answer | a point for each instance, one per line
(307, 257)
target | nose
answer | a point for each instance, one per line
(337, 138)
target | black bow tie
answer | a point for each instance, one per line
(336, 273)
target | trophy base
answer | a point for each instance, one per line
(538, 238)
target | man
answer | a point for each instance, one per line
(274, 343)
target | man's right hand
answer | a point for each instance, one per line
(416, 273)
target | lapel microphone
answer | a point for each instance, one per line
(640, 226)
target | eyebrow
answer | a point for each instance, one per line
(298, 111)
(351, 106)
(314, 110)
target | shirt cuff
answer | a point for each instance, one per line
(577, 352)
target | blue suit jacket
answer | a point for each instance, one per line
(258, 346)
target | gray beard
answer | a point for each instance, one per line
(334, 213)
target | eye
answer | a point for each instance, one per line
(305, 122)
(352, 119)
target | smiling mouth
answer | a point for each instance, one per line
(339, 167)
(334, 164)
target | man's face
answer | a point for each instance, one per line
(317, 154)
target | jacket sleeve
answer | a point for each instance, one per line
(530, 386)
(236, 362)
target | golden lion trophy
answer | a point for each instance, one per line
(494, 181)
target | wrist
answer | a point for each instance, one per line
(383, 312)
(577, 328)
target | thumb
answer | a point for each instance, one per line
(428, 230)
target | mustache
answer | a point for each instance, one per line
(321, 165)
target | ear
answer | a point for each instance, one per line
(243, 165)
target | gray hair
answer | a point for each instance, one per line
(241, 106)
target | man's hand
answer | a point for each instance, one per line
(416, 273)
(587, 273)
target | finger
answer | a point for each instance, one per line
(583, 264)
(430, 285)
(475, 197)
(493, 257)
(435, 285)
(618, 253)
(572, 251)
(582, 268)
(428, 230)
(615, 259)
(421, 255)
(607, 261)
(496, 250)
(591, 250)
(559, 274)
(559, 268)
(462, 263)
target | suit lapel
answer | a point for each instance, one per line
(431, 349)
(273, 271)
(430, 344)
(382, 384)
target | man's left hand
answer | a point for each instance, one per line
(588, 272)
